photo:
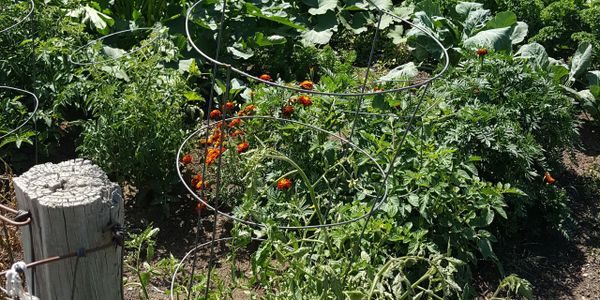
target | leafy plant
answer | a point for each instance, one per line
(471, 27)
(139, 116)
(518, 121)
(142, 247)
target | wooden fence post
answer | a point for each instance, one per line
(72, 206)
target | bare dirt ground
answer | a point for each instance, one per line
(560, 268)
(176, 237)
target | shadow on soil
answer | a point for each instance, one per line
(557, 267)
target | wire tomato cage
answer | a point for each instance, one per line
(9, 89)
(212, 154)
(20, 20)
(35, 101)
(21, 218)
(262, 153)
(89, 53)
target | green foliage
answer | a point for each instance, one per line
(513, 285)
(262, 37)
(46, 73)
(470, 28)
(559, 25)
(468, 173)
(138, 116)
(518, 121)
(141, 252)
(15, 112)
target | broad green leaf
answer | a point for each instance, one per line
(421, 18)
(354, 5)
(192, 96)
(246, 94)
(256, 12)
(593, 77)
(144, 278)
(485, 247)
(423, 45)
(535, 53)
(403, 72)
(488, 216)
(237, 84)
(379, 102)
(95, 18)
(354, 295)
(404, 12)
(500, 211)
(464, 8)
(360, 21)
(595, 90)
(413, 200)
(501, 20)
(184, 65)
(189, 65)
(261, 40)
(150, 251)
(18, 139)
(114, 53)
(475, 21)
(397, 34)
(581, 60)
(325, 26)
(317, 37)
(386, 21)
(587, 96)
(243, 54)
(559, 69)
(116, 72)
(320, 7)
(429, 7)
(519, 32)
(383, 4)
(497, 39)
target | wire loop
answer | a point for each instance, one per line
(29, 13)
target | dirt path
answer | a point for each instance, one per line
(557, 267)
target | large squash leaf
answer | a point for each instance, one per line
(321, 7)
(497, 39)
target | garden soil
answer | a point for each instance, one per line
(557, 267)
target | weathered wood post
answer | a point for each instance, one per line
(72, 206)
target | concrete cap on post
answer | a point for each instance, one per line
(73, 205)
